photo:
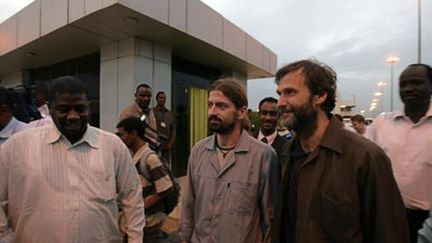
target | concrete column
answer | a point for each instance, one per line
(236, 76)
(126, 64)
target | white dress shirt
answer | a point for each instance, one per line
(14, 126)
(61, 193)
(270, 138)
(409, 147)
(44, 110)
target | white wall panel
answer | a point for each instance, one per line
(156, 9)
(92, 6)
(109, 112)
(204, 23)
(254, 51)
(177, 14)
(266, 59)
(53, 15)
(9, 35)
(29, 23)
(234, 39)
(76, 10)
(162, 81)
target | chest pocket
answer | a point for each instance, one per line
(337, 217)
(243, 196)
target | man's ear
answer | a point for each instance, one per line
(133, 133)
(242, 112)
(319, 99)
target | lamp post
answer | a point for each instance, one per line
(392, 60)
(379, 95)
(381, 84)
(419, 32)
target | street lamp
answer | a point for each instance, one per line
(381, 84)
(392, 60)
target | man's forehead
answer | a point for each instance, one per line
(296, 76)
(69, 96)
(268, 106)
(414, 72)
(219, 96)
(144, 90)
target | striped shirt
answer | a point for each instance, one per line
(59, 192)
(156, 178)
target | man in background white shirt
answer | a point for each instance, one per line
(405, 135)
(9, 125)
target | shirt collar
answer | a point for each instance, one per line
(138, 108)
(332, 135)
(9, 129)
(91, 136)
(158, 108)
(241, 146)
(401, 113)
(270, 138)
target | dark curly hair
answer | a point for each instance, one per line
(320, 79)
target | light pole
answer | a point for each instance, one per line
(392, 60)
(419, 32)
(379, 96)
(381, 84)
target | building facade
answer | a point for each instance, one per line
(178, 46)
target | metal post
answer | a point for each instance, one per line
(419, 32)
(391, 86)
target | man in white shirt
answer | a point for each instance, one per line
(268, 115)
(64, 181)
(405, 135)
(9, 125)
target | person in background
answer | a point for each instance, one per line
(64, 181)
(359, 124)
(41, 99)
(405, 135)
(337, 186)
(155, 178)
(250, 118)
(141, 106)
(9, 125)
(165, 120)
(268, 115)
(232, 178)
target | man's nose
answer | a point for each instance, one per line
(72, 115)
(211, 109)
(281, 102)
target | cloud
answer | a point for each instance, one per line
(353, 37)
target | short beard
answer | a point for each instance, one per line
(222, 128)
(305, 119)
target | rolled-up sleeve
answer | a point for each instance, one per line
(130, 195)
